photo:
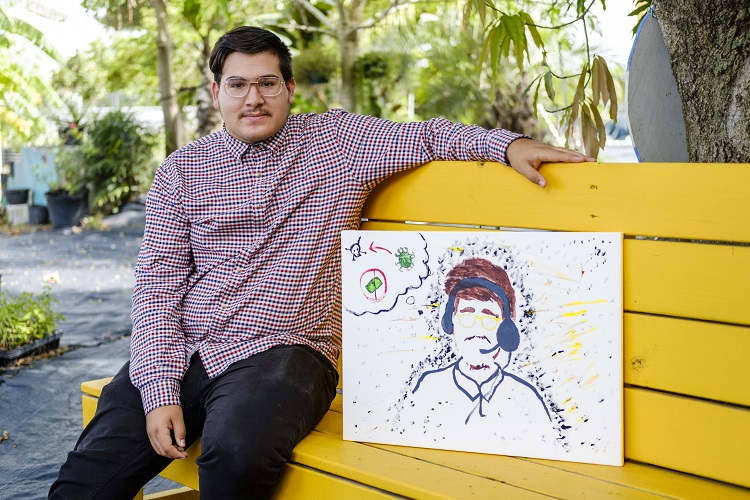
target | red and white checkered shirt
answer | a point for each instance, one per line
(241, 247)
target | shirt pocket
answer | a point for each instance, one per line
(227, 231)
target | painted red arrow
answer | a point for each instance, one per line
(373, 248)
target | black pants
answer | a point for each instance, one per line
(249, 419)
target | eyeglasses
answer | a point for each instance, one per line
(268, 86)
(468, 320)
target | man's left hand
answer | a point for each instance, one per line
(527, 155)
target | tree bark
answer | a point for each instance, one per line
(709, 50)
(348, 37)
(173, 127)
(209, 119)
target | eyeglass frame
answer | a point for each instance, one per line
(463, 320)
(250, 84)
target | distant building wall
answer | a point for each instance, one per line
(35, 171)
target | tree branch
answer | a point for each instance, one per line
(383, 14)
(302, 27)
(317, 14)
(578, 18)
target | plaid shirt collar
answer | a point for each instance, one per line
(238, 148)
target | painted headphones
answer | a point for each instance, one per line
(508, 337)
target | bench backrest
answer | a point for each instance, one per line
(686, 283)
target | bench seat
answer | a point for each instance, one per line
(323, 462)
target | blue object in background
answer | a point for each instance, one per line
(36, 172)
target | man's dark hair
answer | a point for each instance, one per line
(249, 40)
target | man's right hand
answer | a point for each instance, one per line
(161, 424)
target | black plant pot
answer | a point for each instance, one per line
(45, 344)
(38, 214)
(17, 196)
(65, 209)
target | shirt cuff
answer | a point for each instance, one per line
(160, 393)
(500, 139)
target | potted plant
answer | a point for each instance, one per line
(28, 325)
(117, 154)
(67, 198)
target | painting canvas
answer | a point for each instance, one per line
(494, 342)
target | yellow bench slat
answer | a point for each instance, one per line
(662, 482)
(94, 387)
(700, 437)
(299, 482)
(691, 280)
(694, 358)
(185, 471)
(579, 197)
(396, 473)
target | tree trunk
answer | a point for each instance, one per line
(349, 45)
(512, 110)
(709, 49)
(209, 118)
(348, 37)
(173, 128)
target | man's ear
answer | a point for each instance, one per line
(215, 87)
(290, 86)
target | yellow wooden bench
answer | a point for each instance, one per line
(686, 336)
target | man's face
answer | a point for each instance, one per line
(254, 117)
(475, 324)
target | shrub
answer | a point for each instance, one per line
(119, 156)
(26, 318)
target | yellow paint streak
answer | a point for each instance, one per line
(586, 302)
(591, 380)
(575, 334)
(570, 379)
(429, 337)
(456, 249)
(557, 273)
(575, 348)
(575, 313)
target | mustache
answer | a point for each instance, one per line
(256, 112)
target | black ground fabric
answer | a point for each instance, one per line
(91, 274)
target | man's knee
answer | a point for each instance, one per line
(234, 460)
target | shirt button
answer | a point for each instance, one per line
(237, 270)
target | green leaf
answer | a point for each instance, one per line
(548, 85)
(529, 22)
(596, 82)
(611, 90)
(580, 7)
(588, 132)
(641, 7)
(601, 131)
(578, 96)
(515, 29)
(536, 96)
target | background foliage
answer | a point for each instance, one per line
(475, 61)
